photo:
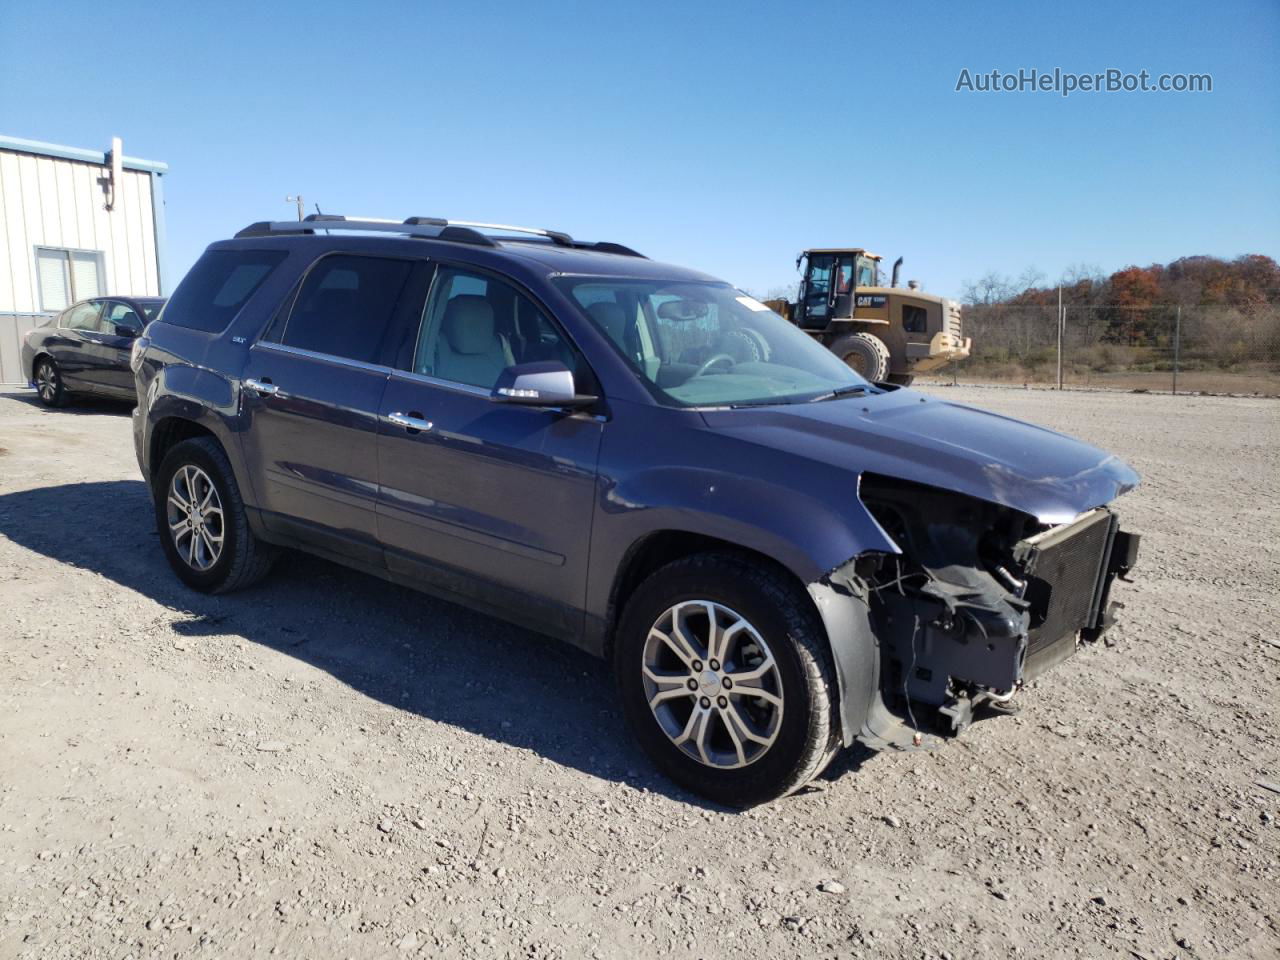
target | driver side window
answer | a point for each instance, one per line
(121, 316)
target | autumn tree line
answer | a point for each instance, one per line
(1225, 313)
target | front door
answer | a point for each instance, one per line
(311, 392)
(118, 329)
(817, 296)
(843, 287)
(486, 500)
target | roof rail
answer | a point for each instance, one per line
(557, 237)
(427, 228)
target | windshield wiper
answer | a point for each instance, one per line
(849, 391)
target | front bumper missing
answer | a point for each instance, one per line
(950, 647)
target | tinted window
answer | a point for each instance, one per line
(914, 319)
(120, 315)
(476, 326)
(346, 305)
(84, 316)
(218, 286)
(150, 308)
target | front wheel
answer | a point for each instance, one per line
(202, 522)
(726, 678)
(865, 354)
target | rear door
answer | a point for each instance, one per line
(489, 501)
(73, 347)
(311, 393)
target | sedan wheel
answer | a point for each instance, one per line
(49, 384)
(196, 521)
(712, 684)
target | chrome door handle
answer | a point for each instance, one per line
(409, 422)
(262, 389)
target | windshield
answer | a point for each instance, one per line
(707, 344)
(150, 307)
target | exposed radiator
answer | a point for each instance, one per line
(1065, 568)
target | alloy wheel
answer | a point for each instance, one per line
(47, 382)
(194, 512)
(712, 684)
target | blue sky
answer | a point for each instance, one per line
(723, 136)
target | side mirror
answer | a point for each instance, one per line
(543, 383)
(125, 330)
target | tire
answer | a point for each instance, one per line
(49, 386)
(187, 472)
(864, 353)
(901, 379)
(803, 726)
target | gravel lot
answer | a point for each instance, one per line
(328, 765)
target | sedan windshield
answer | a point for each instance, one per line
(707, 344)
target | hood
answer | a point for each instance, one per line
(911, 436)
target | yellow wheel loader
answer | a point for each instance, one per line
(887, 334)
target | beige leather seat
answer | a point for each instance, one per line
(469, 349)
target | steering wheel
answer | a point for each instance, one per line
(709, 363)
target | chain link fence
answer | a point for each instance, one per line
(1166, 348)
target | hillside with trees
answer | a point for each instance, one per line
(1220, 317)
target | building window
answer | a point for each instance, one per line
(67, 276)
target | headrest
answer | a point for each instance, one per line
(468, 324)
(611, 319)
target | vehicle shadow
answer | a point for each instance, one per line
(78, 405)
(390, 643)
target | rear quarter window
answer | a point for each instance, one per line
(215, 289)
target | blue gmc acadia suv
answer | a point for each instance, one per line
(777, 556)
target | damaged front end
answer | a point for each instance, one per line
(981, 599)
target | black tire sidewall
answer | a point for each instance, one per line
(863, 346)
(761, 780)
(194, 452)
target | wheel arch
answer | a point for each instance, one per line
(833, 598)
(169, 431)
(660, 547)
(172, 416)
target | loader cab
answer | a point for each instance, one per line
(830, 282)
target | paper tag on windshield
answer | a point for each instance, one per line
(752, 304)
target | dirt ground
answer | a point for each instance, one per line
(330, 766)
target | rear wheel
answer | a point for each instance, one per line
(865, 353)
(901, 379)
(726, 679)
(203, 527)
(49, 386)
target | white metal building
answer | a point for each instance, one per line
(74, 224)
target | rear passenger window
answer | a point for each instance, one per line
(215, 289)
(346, 305)
(83, 316)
